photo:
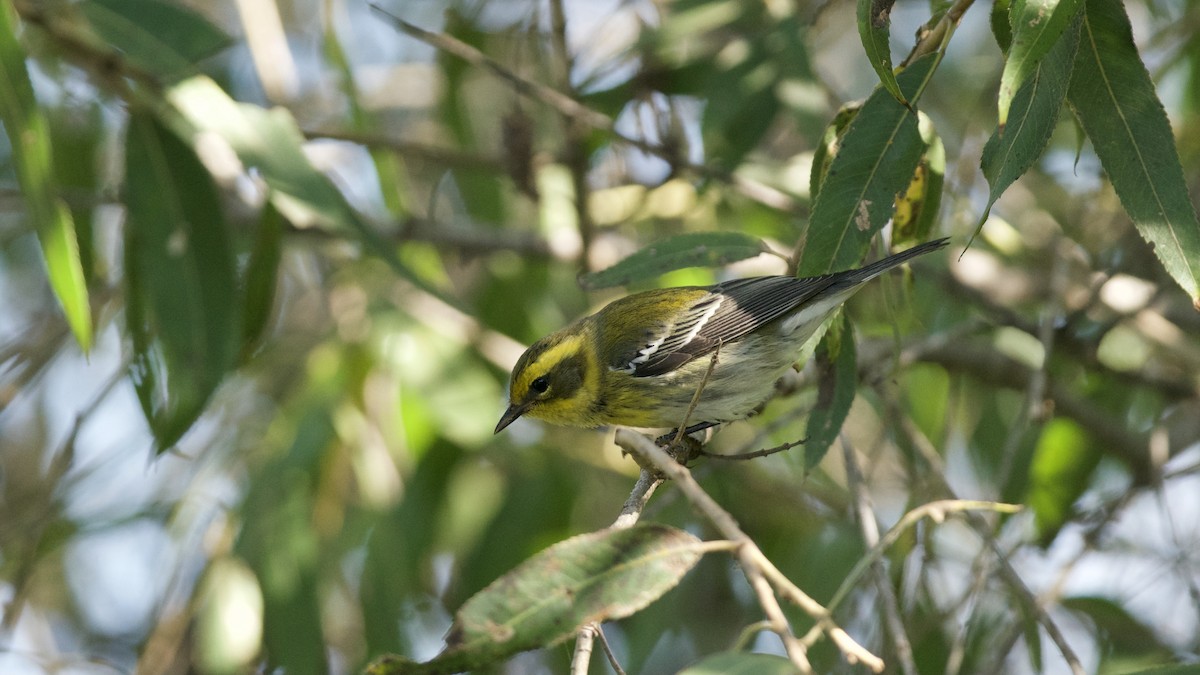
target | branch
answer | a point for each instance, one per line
(567, 106)
(759, 571)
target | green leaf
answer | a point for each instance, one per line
(837, 382)
(1037, 26)
(1114, 99)
(827, 149)
(1189, 669)
(1063, 463)
(259, 279)
(694, 249)
(875, 161)
(29, 134)
(163, 38)
(1012, 150)
(183, 310)
(741, 663)
(874, 27)
(603, 575)
(1001, 26)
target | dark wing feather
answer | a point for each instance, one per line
(740, 307)
(735, 308)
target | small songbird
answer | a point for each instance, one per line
(639, 361)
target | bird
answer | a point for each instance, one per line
(639, 361)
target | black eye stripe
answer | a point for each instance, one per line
(540, 385)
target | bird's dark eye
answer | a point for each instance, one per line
(540, 385)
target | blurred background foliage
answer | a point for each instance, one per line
(311, 242)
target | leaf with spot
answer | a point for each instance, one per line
(875, 161)
(598, 576)
(694, 249)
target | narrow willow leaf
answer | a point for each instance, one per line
(182, 304)
(1001, 26)
(875, 161)
(29, 134)
(164, 38)
(694, 249)
(603, 575)
(1037, 26)
(1063, 462)
(1114, 99)
(258, 288)
(874, 28)
(1011, 151)
(837, 382)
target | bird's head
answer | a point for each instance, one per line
(551, 381)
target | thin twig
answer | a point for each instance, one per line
(612, 658)
(712, 363)
(753, 562)
(643, 489)
(869, 526)
(754, 454)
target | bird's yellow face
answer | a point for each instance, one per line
(553, 380)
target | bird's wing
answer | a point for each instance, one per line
(728, 312)
(732, 309)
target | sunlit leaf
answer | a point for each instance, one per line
(917, 206)
(29, 134)
(182, 305)
(1063, 463)
(695, 249)
(1114, 98)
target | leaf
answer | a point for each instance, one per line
(741, 663)
(827, 149)
(1114, 99)
(837, 382)
(163, 38)
(875, 161)
(258, 288)
(29, 134)
(694, 249)
(1037, 26)
(1001, 26)
(598, 576)
(1012, 150)
(1063, 462)
(874, 27)
(183, 308)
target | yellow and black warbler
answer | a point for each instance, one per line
(639, 361)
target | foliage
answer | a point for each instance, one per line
(262, 278)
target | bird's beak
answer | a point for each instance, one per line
(514, 411)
